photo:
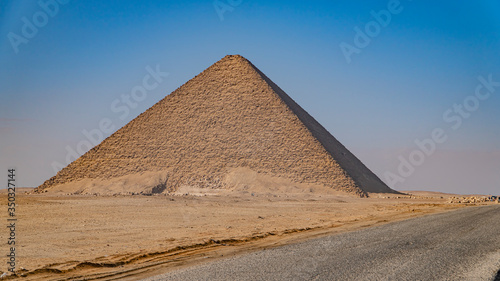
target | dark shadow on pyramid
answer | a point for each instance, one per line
(225, 124)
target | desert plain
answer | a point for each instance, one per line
(85, 237)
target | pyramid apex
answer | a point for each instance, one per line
(233, 57)
(231, 62)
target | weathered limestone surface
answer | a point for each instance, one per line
(229, 116)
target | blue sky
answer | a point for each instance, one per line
(394, 91)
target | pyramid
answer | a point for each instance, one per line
(229, 117)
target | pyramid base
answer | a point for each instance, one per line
(238, 181)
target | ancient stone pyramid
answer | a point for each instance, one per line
(230, 116)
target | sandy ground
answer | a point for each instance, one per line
(80, 237)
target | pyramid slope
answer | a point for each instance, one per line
(363, 176)
(229, 116)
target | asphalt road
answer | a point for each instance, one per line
(457, 245)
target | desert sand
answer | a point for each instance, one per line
(83, 236)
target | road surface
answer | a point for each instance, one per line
(458, 245)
